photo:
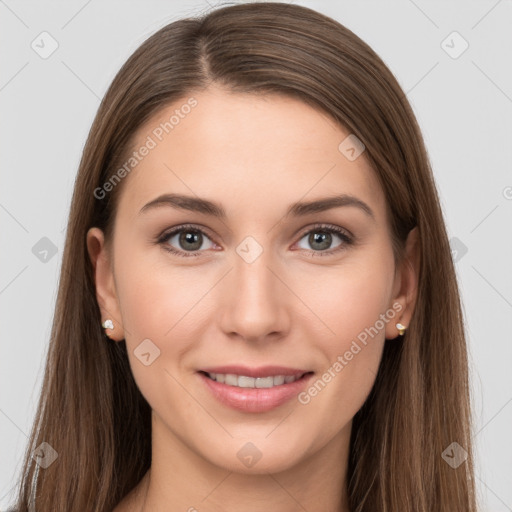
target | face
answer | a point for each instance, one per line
(311, 291)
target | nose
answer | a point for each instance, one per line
(255, 300)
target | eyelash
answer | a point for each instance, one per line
(323, 228)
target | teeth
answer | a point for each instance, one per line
(278, 380)
(243, 381)
(230, 380)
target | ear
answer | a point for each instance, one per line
(405, 288)
(105, 285)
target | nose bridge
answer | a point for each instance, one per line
(254, 306)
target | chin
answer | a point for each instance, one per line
(255, 458)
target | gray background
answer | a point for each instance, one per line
(463, 105)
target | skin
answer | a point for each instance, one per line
(254, 156)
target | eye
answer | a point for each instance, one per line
(188, 239)
(320, 238)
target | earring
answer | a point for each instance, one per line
(401, 328)
(108, 324)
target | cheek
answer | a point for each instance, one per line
(357, 310)
(356, 297)
(156, 300)
(159, 305)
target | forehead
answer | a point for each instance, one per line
(245, 151)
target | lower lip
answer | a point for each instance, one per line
(255, 399)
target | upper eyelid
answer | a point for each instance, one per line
(328, 227)
(192, 227)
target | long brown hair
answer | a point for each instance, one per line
(91, 411)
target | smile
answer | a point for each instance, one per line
(254, 394)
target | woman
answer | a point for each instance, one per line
(307, 351)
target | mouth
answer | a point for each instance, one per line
(255, 393)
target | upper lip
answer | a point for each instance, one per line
(261, 371)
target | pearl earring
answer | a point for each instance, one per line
(108, 324)
(401, 328)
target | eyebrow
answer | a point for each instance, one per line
(299, 209)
